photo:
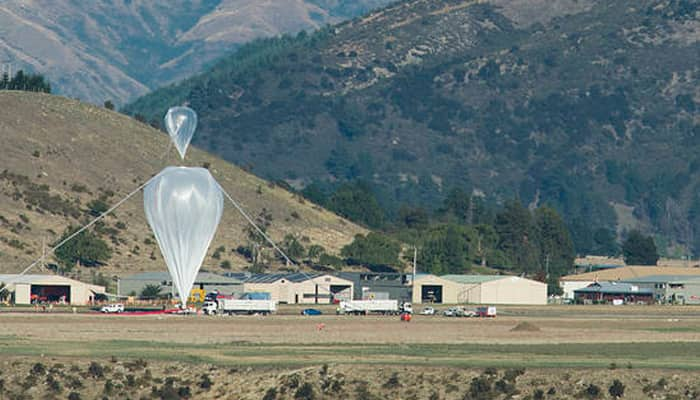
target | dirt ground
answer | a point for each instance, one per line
(524, 353)
(351, 329)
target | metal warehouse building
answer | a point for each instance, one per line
(50, 288)
(298, 288)
(478, 289)
(134, 284)
(380, 285)
(571, 283)
(670, 289)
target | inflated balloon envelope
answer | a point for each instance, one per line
(181, 122)
(183, 206)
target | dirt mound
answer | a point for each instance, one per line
(525, 327)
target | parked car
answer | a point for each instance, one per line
(469, 313)
(428, 311)
(311, 311)
(117, 308)
(451, 312)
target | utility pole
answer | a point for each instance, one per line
(415, 257)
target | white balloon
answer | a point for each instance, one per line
(183, 206)
(181, 122)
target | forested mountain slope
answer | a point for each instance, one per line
(588, 105)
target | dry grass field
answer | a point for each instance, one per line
(653, 351)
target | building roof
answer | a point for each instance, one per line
(664, 279)
(202, 277)
(614, 288)
(271, 278)
(12, 279)
(473, 279)
(630, 272)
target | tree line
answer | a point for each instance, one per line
(25, 82)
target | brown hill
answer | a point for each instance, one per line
(58, 155)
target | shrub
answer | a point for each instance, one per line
(479, 388)
(393, 382)
(206, 382)
(74, 396)
(271, 394)
(226, 264)
(617, 389)
(512, 374)
(109, 387)
(305, 392)
(96, 370)
(39, 369)
(53, 384)
(538, 394)
(592, 391)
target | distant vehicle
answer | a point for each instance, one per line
(469, 313)
(428, 311)
(363, 307)
(117, 308)
(451, 312)
(486, 312)
(237, 306)
(311, 311)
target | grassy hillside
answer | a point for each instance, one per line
(59, 155)
(590, 106)
(118, 50)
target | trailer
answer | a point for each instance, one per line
(363, 307)
(239, 306)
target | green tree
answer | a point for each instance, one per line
(517, 237)
(4, 293)
(374, 250)
(315, 251)
(457, 205)
(97, 207)
(446, 249)
(413, 217)
(109, 105)
(554, 241)
(86, 248)
(150, 291)
(639, 249)
(605, 243)
(356, 202)
(293, 248)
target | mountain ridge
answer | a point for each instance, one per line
(117, 50)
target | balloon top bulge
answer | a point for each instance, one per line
(181, 122)
(183, 206)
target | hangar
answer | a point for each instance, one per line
(478, 289)
(298, 288)
(134, 284)
(50, 289)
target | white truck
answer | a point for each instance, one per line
(239, 306)
(363, 307)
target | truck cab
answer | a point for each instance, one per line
(210, 307)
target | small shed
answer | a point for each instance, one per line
(50, 289)
(478, 289)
